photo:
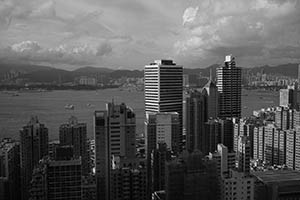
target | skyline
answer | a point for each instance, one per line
(127, 35)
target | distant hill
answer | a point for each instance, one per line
(39, 73)
(290, 70)
(91, 70)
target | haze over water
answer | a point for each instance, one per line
(15, 111)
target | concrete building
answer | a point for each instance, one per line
(293, 148)
(288, 97)
(34, 146)
(237, 185)
(229, 87)
(191, 177)
(196, 116)
(162, 127)
(212, 99)
(129, 183)
(283, 118)
(225, 160)
(243, 155)
(227, 137)
(277, 184)
(52, 180)
(159, 157)
(270, 144)
(164, 88)
(75, 134)
(9, 170)
(212, 131)
(114, 137)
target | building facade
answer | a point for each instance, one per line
(229, 87)
(33, 147)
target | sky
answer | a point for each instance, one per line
(128, 34)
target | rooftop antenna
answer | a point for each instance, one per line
(210, 74)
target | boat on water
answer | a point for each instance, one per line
(69, 106)
(90, 105)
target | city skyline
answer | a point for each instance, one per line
(120, 34)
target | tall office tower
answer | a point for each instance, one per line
(227, 133)
(196, 116)
(163, 88)
(162, 127)
(212, 99)
(54, 180)
(129, 182)
(191, 177)
(229, 87)
(114, 136)
(75, 134)
(9, 170)
(34, 146)
(212, 135)
(282, 118)
(158, 159)
(277, 184)
(243, 154)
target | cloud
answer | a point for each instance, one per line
(32, 51)
(247, 28)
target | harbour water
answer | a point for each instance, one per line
(55, 107)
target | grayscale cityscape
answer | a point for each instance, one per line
(150, 100)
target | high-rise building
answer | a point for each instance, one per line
(225, 160)
(227, 137)
(163, 88)
(161, 137)
(196, 116)
(34, 146)
(288, 97)
(212, 99)
(298, 76)
(9, 170)
(75, 134)
(229, 87)
(212, 132)
(237, 185)
(243, 155)
(270, 144)
(191, 177)
(54, 180)
(162, 127)
(243, 127)
(293, 148)
(114, 137)
(129, 182)
(159, 157)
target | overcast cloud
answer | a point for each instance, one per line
(132, 33)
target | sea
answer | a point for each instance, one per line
(53, 108)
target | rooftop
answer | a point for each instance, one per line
(275, 176)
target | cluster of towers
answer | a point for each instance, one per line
(194, 147)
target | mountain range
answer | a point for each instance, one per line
(39, 73)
